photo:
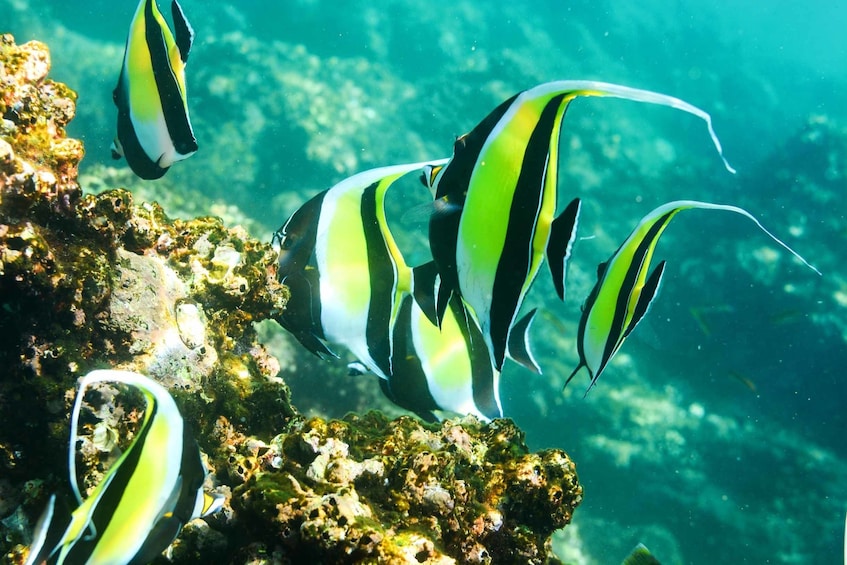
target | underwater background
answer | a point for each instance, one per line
(717, 433)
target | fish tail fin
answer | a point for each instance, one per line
(562, 236)
(519, 347)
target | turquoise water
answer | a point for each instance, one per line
(717, 433)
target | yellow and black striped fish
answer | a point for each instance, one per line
(344, 269)
(496, 199)
(148, 494)
(154, 130)
(623, 292)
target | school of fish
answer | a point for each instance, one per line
(436, 334)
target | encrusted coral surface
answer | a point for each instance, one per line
(369, 489)
(104, 281)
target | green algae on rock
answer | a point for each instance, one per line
(88, 281)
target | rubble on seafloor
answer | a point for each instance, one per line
(104, 281)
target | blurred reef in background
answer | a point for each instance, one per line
(92, 281)
(718, 434)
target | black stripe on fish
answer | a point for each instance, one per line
(297, 269)
(192, 475)
(173, 109)
(383, 283)
(482, 373)
(127, 143)
(453, 186)
(407, 384)
(648, 293)
(516, 255)
(114, 491)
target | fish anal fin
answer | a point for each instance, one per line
(519, 348)
(574, 372)
(311, 341)
(441, 301)
(424, 283)
(648, 294)
(562, 236)
(182, 30)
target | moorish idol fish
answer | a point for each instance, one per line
(154, 130)
(141, 504)
(344, 270)
(495, 201)
(623, 292)
(447, 369)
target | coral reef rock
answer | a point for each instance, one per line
(90, 281)
(394, 491)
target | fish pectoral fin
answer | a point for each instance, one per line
(562, 236)
(211, 503)
(418, 214)
(424, 284)
(519, 347)
(648, 294)
(184, 33)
